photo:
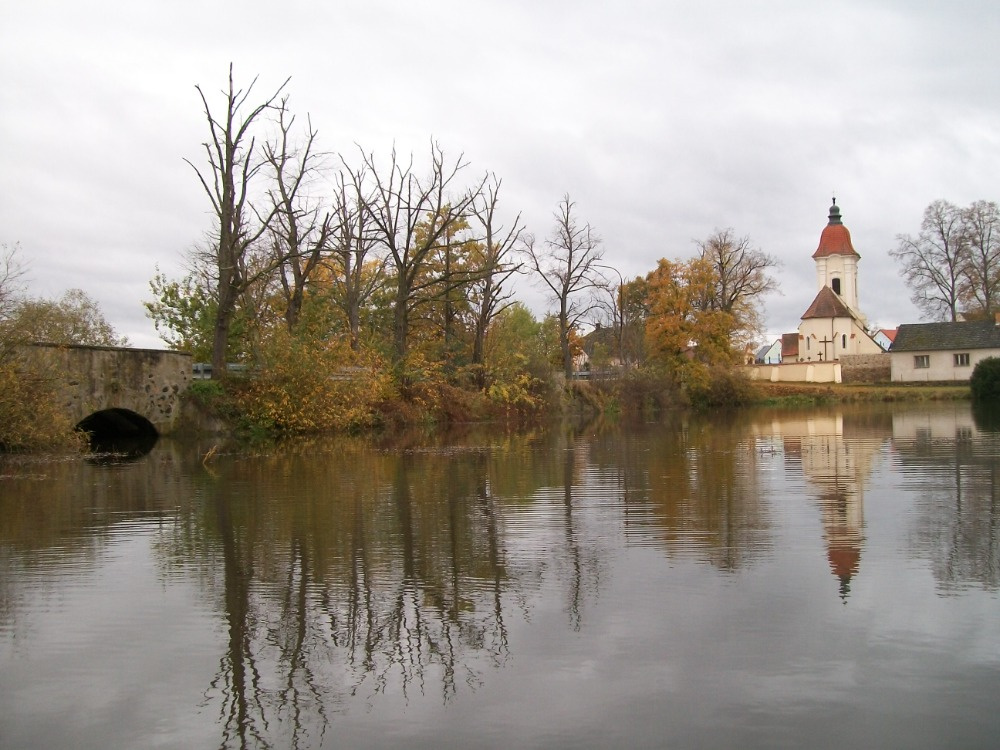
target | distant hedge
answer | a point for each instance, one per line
(985, 380)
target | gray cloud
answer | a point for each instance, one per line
(664, 122)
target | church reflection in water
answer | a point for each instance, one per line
(836, 462)
(336, 574)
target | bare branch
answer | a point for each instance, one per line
(932, 262)
(233, 167)
(567, 267)
(410, 216)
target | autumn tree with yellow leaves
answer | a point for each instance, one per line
(682, 324)
(688, 334)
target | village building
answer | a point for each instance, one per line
(833, 326)
(769, 354)
(884, 337)
(941, 352)
(832, 342)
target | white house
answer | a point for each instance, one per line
(940, 352)
(884, 337)
(769, 354)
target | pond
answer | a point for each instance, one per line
(783, 578)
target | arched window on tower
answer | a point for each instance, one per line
(835, 284)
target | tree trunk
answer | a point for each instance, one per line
(400, 323)
(220, 339)
(567, 355)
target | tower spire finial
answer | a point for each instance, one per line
(835, 212)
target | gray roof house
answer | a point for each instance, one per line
(769, 354)
(940, 352)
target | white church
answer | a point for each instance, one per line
(833, 325)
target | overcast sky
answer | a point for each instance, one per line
(663, 120)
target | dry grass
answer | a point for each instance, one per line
(826, 392)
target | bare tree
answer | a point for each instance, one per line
(981, 272)
(232, 167)
(933, 261)
(411, 217)
(357, 271)
(488, 296)
(567, 265)
(300, 230)
(743, 277)
(11, 278)
(617, 310)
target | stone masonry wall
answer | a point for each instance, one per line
(148, 382)
(866, 368)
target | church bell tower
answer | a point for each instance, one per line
(837, 260)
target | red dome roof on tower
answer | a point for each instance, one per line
(835, 240)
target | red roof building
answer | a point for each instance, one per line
(832, 326)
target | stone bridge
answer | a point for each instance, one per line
(116, 390)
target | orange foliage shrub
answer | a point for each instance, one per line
(31, 417)
(305, 385)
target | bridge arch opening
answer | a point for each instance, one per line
(119, 431)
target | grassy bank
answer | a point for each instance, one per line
(820, 393)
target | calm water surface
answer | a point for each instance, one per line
(822, 578)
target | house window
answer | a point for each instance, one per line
(922, 361)
(962, 360)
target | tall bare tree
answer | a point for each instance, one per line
(356, 268)
(411, 216)
(300, 230)
(488, 295)
(567, 264)
(743, 277)
(615, 306)
(981, 230)
(233, 166)
(933, 261)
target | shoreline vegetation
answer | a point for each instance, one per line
(273, 406)
(795, 394)
(628, 396)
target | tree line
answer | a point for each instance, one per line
(348, 281)
(412, 267)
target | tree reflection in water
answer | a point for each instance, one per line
(951, 453)
(387, 573)
(390, 571)
(343, 574)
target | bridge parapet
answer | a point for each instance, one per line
(149, 382)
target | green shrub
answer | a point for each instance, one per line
(206, 392)
(985, 380)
